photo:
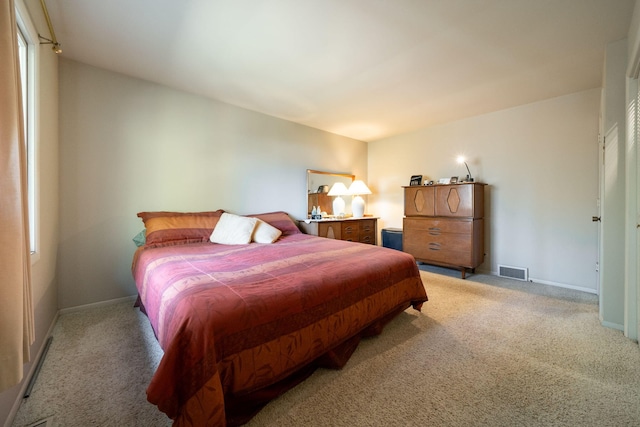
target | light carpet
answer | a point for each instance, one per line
(485, 351)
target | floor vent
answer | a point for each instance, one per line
(47, 422)
(518, 273)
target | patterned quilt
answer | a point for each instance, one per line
(240, 324)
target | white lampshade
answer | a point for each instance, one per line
(357, 188)
(338, 189)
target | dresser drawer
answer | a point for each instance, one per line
(441, 252)
(437, 226)
(354, 230)
(444, 241)
(350, 231)
(369, 238)
(422, 244)
(367, 231)
(367, 225)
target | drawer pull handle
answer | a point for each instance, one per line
(434, 246)
(434, 231)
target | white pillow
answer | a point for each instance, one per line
(233, 229)
(265, 232)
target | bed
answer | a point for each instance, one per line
(242, 323)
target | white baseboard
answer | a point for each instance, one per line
(97, 304)
(563, 285)
(611, 325)
(547, 282)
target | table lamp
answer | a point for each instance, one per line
(338, 190)
(357, 188)
(462, 160)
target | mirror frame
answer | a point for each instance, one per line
(328, 174)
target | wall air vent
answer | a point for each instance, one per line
(518, 273)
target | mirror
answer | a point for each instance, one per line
(318, 185)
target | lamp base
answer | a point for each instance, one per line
(338, 206)
(357, 207)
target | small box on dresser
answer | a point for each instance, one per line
(444, 224)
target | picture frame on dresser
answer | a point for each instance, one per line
(415, 180)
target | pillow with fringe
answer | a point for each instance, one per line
(280, 220)
(166, 228)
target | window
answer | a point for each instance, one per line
(26, 56)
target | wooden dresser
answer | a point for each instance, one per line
(361, 230)
(444, 224)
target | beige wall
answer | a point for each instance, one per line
(128, 145)
(540, 161)
(43, 269)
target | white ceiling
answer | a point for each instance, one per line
(366, 69)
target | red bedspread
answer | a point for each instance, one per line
(238, 322)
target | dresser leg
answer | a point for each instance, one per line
(463, 272)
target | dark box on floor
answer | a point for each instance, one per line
(392, 238)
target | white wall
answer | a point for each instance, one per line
(540, 163)
(128, 145)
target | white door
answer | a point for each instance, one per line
(612, 239)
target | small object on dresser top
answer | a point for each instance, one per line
(416, 180)
(315, 213)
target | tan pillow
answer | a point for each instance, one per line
(233, 230)
(171, 228)
(265, 233)
(281, 220)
